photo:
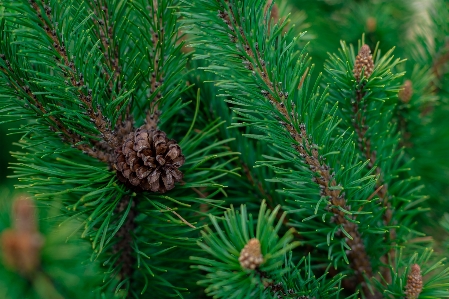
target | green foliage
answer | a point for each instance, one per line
(332, 193)
(226, 278)
(433, 287)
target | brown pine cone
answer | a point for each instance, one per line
(148, 160)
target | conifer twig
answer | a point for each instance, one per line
(307, 150)
(75, 78)
(68, 135)
(105, 33)
(156, 79)
(126, 258)
(364, 63)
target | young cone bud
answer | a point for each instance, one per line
(274, 11)
(371, 24)
(24, 213)
(364, 60)
(414, 283)
(251, 256)
(406, 92)
(148, 160)
(21, 245)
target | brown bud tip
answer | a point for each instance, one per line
(414, 283)
(274, 14)
(371, 24)
(20, 246)
(363, 61)
(24, 215)
(405, 94)
(251, 256)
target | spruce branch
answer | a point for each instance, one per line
(19, 86)
(34, 102)
(157, 11)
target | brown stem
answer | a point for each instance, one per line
(156, 79)
(364, 143)
(126, 260)
(276, 288)
(104, 30)
(309, 152)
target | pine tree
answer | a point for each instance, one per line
(174, 148)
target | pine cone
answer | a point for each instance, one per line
(364, 60)
(251, 256)
(148, 160)
(414, 283)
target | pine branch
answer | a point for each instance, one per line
(156, 11)
(73, 75)
(104, 31)
(364, 67)
(105, 24)
(305, 148)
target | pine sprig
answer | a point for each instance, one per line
(255, 59)
(366, 88)
(73, 87)
(226, 278)
(434, 279)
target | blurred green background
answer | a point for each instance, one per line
(6, 146)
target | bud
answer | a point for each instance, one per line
(21, 245)
(364, 60)
(24, 213)
(251, 256)
(414, 283)
(371, 24)
(405, 94)
(274, 14)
